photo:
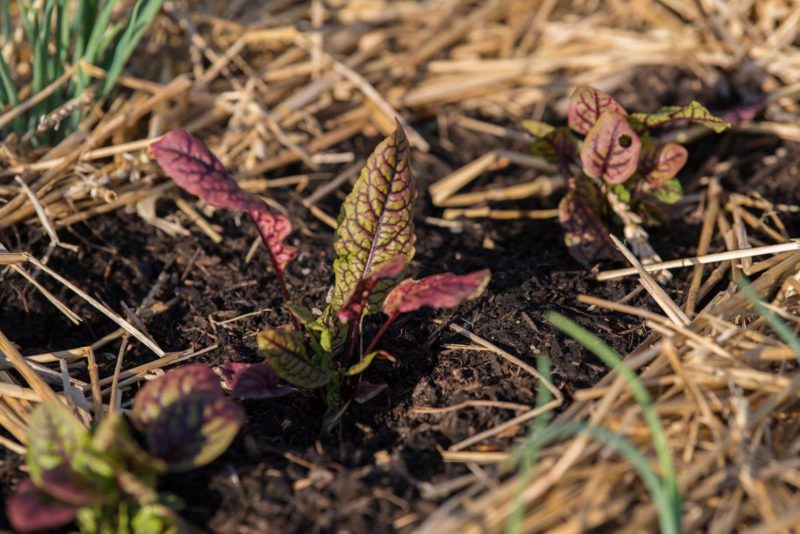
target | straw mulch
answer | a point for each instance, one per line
(277, 86)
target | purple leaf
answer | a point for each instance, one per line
(175, 385)
(585, 234)
(29, 510)
(194, 431)
(659, 162)
(228, 372)
(611, 149)
(285, 351)
(67, 486)
(586, 105)
(253, 381)
(376, 221)
(437, 291)
(189, 162)
(694, 113)
(367, 390)
(357, 302)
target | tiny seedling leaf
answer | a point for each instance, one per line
(444, 290)
(586, 105)
(175, 385)
(365, 362)
(285, 350)
(30, 510)
(611, 149)
(668, 192)
(536, 128)
(558, 146)
(694, 113)
(194, 431)
(659, 162)
(375, 223)
(191, 165)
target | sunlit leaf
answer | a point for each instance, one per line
(659, 162)
(365, 362)
(536, 128)
(585, 234)
(357, 302)
(668, 192)
(285, 351)
(375, 223)
(586, 105)
(55, 438)
(176, 384)
(191, 165)
(444, 290)
(694, 113)
(611, 149)
(194, 431)
(30, 510)
(253, 381)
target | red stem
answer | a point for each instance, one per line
(384, 327)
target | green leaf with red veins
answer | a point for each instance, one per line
(357, 302)
(585, 234)
(285, 350)
(194, 431)
(537, 129)
(586, 105)
(375, 223)
(175, 385)
(191, 165)
(444, 290)
(660, 162)
(668, 192)
(55, 438)
(30, 510)
(558, 146)
(694, 113)
(611, 149)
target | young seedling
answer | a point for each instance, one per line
(104, 480)
(619, 172)
(374, 244)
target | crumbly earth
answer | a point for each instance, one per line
(374, 472)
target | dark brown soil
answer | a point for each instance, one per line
(282, 474)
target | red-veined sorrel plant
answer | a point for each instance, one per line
(104, 480)
(618, 156)
(374, 244)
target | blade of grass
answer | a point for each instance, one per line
(775, 322)
(671, 522)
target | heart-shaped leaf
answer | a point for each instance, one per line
(437, 291)
(55, 437)
(660, 162)
(194, 431)
(285, 351)
(375, 223)
(253, 381)
(175, 385)
(694, 113)
(611, 149)
(585, 234)
(357, 302)
(191, 165)
(586, 105)
(30, 510)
